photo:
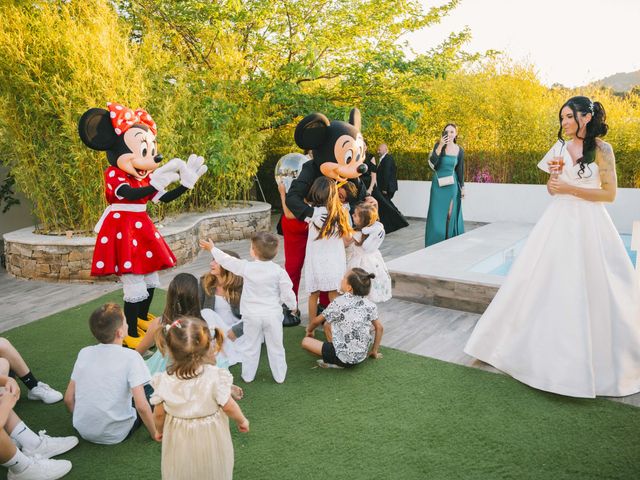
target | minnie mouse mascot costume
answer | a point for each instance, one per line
(128, 243)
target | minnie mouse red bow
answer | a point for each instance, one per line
(123, 118)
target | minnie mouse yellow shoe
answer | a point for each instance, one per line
(131, 342)
(144, 324)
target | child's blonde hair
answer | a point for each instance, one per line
(324, 193)
(188, 342)
(368, 215)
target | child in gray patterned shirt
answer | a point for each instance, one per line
(351, 325)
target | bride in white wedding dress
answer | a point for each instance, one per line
(567, 318)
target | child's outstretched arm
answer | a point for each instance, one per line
(207, 244)
(144, 409)
(234, 265)
(377, 325)
(233, 411)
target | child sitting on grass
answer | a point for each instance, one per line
(351, 320)
(193, 399)
(266, 287)
(23, 452)
(104, 379)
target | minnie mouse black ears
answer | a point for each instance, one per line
(312, 131)
(96, 130)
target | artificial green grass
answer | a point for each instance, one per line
(401, 417)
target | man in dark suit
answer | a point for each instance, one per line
(386, 173)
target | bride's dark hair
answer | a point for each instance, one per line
(595, 128)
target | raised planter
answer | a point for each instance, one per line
(61, 259)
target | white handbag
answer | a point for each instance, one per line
(444, 181)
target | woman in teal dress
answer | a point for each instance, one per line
(444, 219)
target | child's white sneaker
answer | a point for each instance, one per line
(44, 392)
(42, 469)
(51, 446)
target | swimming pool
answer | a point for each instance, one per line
(500, 263)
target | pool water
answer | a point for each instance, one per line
(500, 263)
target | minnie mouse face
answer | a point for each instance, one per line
(128, 137)
(141, 159)
(338, 147)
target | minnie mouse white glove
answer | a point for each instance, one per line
(191, 171)
(165, 175)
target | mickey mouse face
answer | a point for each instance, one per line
(338, 147)
(348, 149)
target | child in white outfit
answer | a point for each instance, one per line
(266, 287)
(363, 251)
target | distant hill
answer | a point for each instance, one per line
(621, 82)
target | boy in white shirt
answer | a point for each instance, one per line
(104, 379)
(266, 287)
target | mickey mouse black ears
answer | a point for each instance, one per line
(313, 130)
(95, 129)
(354, 118)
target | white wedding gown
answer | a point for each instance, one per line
(567, 318)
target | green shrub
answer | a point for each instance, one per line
(48, 82)
(61, 58)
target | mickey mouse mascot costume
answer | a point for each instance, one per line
(338, 152)
(128, 243)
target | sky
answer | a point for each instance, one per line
(572, 42)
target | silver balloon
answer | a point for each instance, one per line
(288, 168)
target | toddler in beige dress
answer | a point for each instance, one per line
(192, 404)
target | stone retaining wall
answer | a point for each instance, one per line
(61, 259)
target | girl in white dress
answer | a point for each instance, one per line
(325, 261)
(567, 318)
(363, 251)
(193, 401)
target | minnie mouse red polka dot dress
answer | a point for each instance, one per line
(128, 242)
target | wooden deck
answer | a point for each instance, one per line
(412, 327)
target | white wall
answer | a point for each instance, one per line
(506, 202)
